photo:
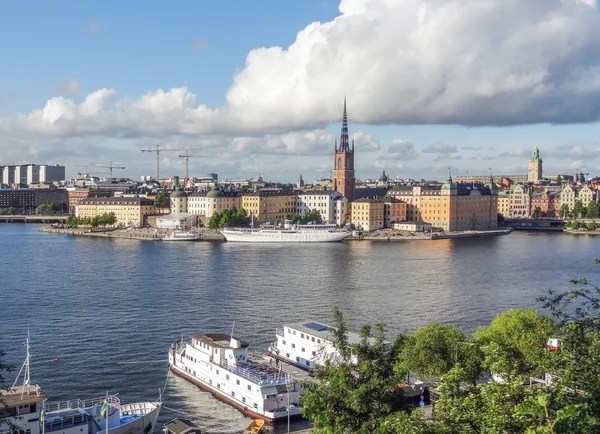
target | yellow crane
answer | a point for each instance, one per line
(187, 157)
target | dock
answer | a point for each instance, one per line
(146, 234)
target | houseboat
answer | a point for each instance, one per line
(219, 364)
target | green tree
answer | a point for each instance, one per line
(592, 210)
(522, 336)
(5, 423)
(356, 389)
(311, 216)
(578, 209)
(72, 220)
(537, 213)
(293, 217)
(47, 208)
(563, 211)
(161, 200)
(232, 217)
(592, 226)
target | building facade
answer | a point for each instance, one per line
(20, 198)
(534, 172)
(322, 201)
(214, 201)
(548, 202)
(269, 206)
(343, 160)
(367, 214)
(178, 199)
(568, 195)
(504, 203)
(520, 201)
(129, 211)
(26, 174)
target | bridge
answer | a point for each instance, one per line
(59, 218)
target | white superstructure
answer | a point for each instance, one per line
(219, 364)
(182, 236)
(25, 407)
(307, 344)
(317, 233)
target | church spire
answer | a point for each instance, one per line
(344, 143)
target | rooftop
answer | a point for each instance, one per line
(181, 426)
(220, 340)
(321, 331)
(12, 396)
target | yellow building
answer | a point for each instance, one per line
(504, 204)
(367, 214)
(269, 206)
(128, 210)
(453, 207)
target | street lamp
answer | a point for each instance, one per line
(289, 386)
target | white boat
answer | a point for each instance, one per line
(290, 233)
(307, 344)
(182, 236)
(219, 364)
(28, 409)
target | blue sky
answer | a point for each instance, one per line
(428, 86)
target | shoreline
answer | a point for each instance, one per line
(578, 232)
(434, 236)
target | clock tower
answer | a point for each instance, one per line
(343, 162)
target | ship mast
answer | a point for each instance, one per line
(25, 370)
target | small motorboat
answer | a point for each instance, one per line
(182, 236)
(255, 426)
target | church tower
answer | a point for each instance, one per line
(343, 162)
(534, 174)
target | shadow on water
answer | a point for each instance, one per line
(103, 306)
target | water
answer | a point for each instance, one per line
(109, 309)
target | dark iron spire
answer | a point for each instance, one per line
(344, 144)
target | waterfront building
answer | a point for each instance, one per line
(484, 179)
(58, 196)
(324, 184)
(412, 226)
(547, 201)
(269, 205)
(568, 195)
(451, 207)
(585, 194)
(520, 201)
(367, 214)
(27, 174)
(322, 201)
(343, 173)
(504, 203)
(76, 195)
(213, 201)
(342, 211)
(534, 172)
(19, 198)
(129, 211)
(178, 198)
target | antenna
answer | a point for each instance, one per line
(24, 366)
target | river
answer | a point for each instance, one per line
(109, 309)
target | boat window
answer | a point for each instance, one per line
(283, 342)
(227, 377)
(307, 363)
(237, 382)
(244, 400)
(313, 338)
(297, 359)
(314, 353)
(232, 393)
(302, 335)
(293, 345)
(303, 350)
(318, 341)
(249, 387)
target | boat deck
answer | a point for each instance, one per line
(288, 368)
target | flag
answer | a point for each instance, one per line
(104, 408)
(42, 416)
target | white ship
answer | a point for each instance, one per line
(219, 364)
(290, 233)
(307, 344)
(26, 408)
(182, 236)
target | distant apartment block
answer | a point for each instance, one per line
(27, 174)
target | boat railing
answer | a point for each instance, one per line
(81, 404)
(67, 421)
(257, 373)
(279, 332)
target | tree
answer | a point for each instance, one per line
(563, 211)
(537, 213)
(161, 200)
(578, 209)
(4, 369)
(72, 220)
(232, 217)
(357, 388)
(293, 217)
(592, 226)
(312, 216)
(592, 210)
(47, 208)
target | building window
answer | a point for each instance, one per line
(244, 400)
(237, 382)
(314, 353)
(293, 345)
(249, 387)
(283, 341)
(232, 393)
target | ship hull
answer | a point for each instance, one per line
(294, 414)
(283, 237)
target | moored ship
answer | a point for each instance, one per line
(219, 364)
(290, 233)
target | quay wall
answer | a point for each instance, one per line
(137, 234)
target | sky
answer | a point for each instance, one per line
(258, 87)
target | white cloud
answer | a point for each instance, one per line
(401, 61)
(400, 149)
(200, 44)
(71, 88)
(438, 148)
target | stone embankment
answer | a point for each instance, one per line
(129, 234)
(581, 232)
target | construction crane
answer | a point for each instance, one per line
(158, 152)
(187, 157)
(110, 168)
(87, 174)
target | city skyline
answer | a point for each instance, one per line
(261, 87)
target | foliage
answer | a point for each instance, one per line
(104, 220)
(563, 211)
(537, 213)
(232, 217)
(8, 211)
(522, 336)
(592, 226)
(47, 208)
(592, 210)
(306, 217)
(161, 200)
(4, 369)
(356, 389)
(578, 209)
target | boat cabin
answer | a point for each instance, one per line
(219, 348)
(21, 406)
(181, 426)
